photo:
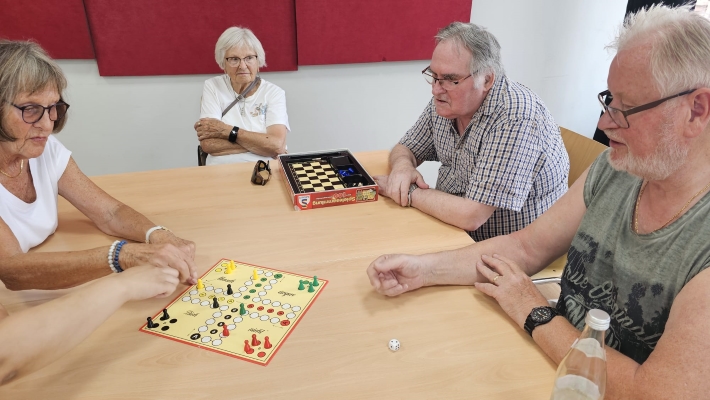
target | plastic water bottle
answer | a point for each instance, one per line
(582, 373)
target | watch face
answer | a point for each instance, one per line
(541, 314)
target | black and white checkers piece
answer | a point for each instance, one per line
(316, 175)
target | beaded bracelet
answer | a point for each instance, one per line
(153, 229)
(115, 256)
(111, 250)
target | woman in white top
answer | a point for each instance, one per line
(243, 117)
(35, 168)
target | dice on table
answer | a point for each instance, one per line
(394, 345)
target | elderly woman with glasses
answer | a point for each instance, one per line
(243, 117)
(35, 168)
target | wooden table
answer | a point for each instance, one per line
(456, 342)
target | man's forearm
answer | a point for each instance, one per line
(401, 156)
(457, 211)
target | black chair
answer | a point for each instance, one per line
(201, 156)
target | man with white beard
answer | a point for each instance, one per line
(633, 226)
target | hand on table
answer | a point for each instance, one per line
(146, 281)
(180, 258)
(396, 184)
(210, 128)
(510, 286)
(394, 274)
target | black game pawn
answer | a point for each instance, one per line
(214, 302)
(229, 289)
(151, 324)
(165, 316)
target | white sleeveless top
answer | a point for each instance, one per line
(32, 223)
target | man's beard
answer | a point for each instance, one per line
(668, 157)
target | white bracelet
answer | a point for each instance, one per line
(153, 229)
(111, 251)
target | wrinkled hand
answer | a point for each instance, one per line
(162, 236)
(181, 258)
(396, 184)
(510, 286)
(210, 128)
(394, 274)
(145, 282)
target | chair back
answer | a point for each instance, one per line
(582, 152)
(201, 155)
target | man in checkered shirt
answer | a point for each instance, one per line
(503, 162)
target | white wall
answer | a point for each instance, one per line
(143, 123)
(556, 48)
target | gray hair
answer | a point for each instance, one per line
(680, 46)
(484, 47)
(26, 68)
(238, 37)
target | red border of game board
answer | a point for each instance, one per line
(273, 354)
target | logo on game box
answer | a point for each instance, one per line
(303, 201)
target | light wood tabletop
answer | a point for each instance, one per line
(456, 342)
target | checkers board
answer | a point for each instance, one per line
(316, 175)
(324, 179)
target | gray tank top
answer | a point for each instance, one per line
(634, 278)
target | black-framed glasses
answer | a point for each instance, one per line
(35, 112)
(446, 84)
(235, 61)
(619, 116)
(261, 173)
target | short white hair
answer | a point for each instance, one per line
(680, 46)
(483, 46)
(238, 37)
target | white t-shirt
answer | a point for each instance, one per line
(264, 108)
(32, 223)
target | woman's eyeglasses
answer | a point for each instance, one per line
(34, 112)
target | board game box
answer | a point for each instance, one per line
(325, 179)
(238, 309)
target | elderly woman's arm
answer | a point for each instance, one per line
(214, 139)
(43, 333)
(39, 270)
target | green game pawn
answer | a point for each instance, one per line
(242, 310)
(310, 287)
(315, 281)
(300, 285)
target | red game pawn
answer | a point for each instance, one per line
(247, 348)
(267, 344)
(225, 331)
(254, 341)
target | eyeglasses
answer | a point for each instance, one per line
(35, 112)
(235, 61)
(261, 173)
(446, 84)
(619, 116)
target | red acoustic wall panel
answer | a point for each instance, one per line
(58, 26)
(355, 31)
(174, 37)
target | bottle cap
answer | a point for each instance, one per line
(598, 319)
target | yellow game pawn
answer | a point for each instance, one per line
(200, 285)
(256, 277)
(231, 265)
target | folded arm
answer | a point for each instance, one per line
(213, 135)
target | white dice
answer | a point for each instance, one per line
(394, 345)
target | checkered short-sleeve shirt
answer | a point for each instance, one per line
(511, 156)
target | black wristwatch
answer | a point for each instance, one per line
(233, 134)
(539, 316)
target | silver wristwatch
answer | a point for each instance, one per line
(412, 188)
